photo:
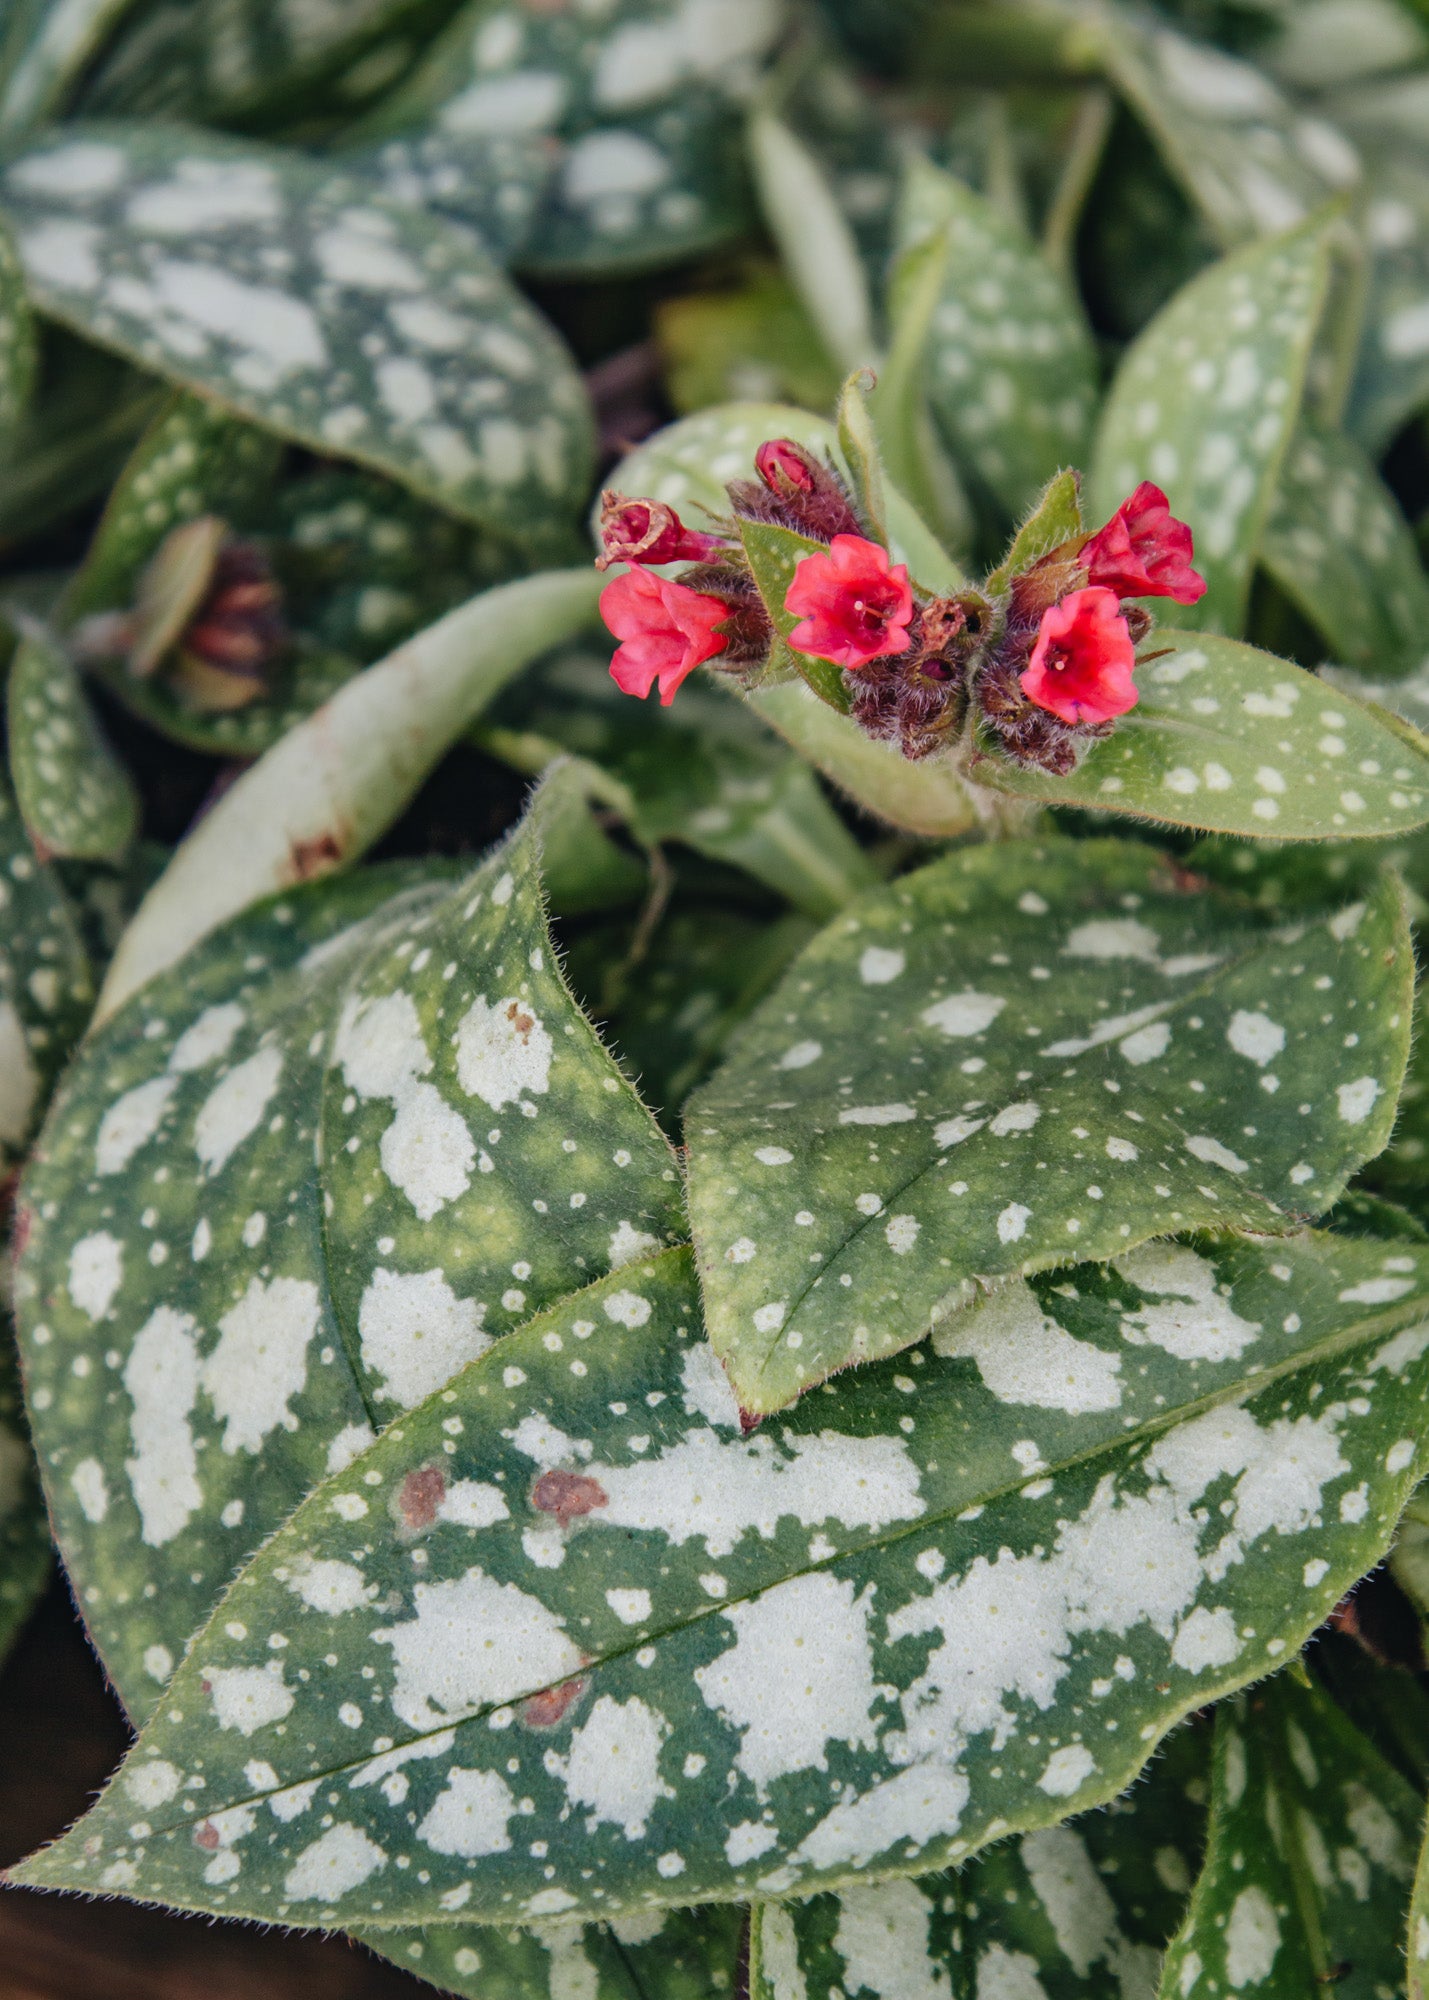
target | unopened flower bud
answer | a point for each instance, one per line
(647, 531)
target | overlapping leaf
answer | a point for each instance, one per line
(46, 990)
(1011, 369)
(1311, 1851)
(1069, 1913)
(76, 798)
(24, 1533)
(677, 1954)
(253, 276)
(1205, 403)
(1016, 1057)
(1229, 738)
(562, 1642)
(705, 775)
(1338, 545)
(286, 1192)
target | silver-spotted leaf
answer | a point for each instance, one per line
(46, 986)
(672, 1954)
(1068, 1913)
(1250, 160)
(563, 1642)
(1386, 121)
(17, 335)
(289, 1190)
(1339, 547)
(492, 181)
(258, 278)
(1309, 1861)
(1205, 403)
(1235, 740)
(1018, 1056)
(75, 797)
(703, 774)
(1011, 368)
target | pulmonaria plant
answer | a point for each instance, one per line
(1040, 658)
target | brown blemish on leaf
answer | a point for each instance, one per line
(568, 1495)
(307, 858)
(520, 1020)
(206, 1836)
(545, 1710)
(419, 1496)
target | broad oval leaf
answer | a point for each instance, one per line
(46, 986)
(287, 1191)
(252, 276)
(1205, 403)
(1068, 1913)
(1312, 1843)
(1339, 547)
(675, 1954)
(1016, 1056)
(1234, 740)
(623, 1657)
(75, 797)
(1011, 368)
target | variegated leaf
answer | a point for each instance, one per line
(705, 775)
(75, 797)
(562, 1642)
(1206, 401)
(494, 182)
(673, 1954)
(17, 335)
(1017, 1056)
(1249, 159)
(1311, 1851)
(1339, 547)
(1068, 1913)
(1011, 369)
(257, 277)
(1229, 738)
(46, 989)
(286, 1192)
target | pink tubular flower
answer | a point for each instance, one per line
(1083, 660)
(666, 631)
(1144, 551)
(852, 603)
(647, 531)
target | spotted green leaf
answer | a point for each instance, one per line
(1068, 1913)
(562, 1642)
(258, 277)
(675, 1954)
(1310, 1855)
(1014, 1057)
(46, 989)
(24, 1532)
(1206, 401)
(1249, 159)
(194, 458)
(17, 335)
(637, 97)
(703, 773)
(687, 466)
(290, 1189)
(1339, 547)
(76, 798)
(494, 182)
(1229, 738)
(1011, 369)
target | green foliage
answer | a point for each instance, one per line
(1310, 1855)
(75, 797)
(717, 1665)
(17, 336)
(839, 1109)
(194, 234)
(358, 1169)
(1205, 403)
(24, 1533)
